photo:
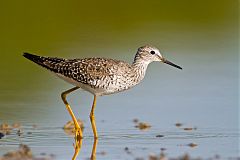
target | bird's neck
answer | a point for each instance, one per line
(139, 67)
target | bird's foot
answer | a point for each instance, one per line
(78, 137)
(78, 133)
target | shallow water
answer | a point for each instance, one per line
(112, 142)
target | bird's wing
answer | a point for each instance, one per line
(85, 70)
(90, 69)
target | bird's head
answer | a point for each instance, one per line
(150, 54)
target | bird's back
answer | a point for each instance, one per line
(99, 76)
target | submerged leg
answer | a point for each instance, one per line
(78, 131)
(92, 118)
(77, 147)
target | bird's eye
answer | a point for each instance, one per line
(152, 52)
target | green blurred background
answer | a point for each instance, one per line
(114, 29)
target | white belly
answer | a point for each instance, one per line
(94, 91)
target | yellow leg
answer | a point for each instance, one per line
(77, 147)
(94, 149)
(78, 131)
(92, 118)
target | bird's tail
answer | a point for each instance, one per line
(46, 62)
(37, 59)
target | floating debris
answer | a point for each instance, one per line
(188, 129)
(217, 156)
(178, 124)
(23, 153)
(103, 153)
(43, 154)
(5, 128)
(185, 157)
(69, 127)
(126, 149)
(19, 132)
(162, 155)
(143, 126)
(185, 128)
(29, 132)
(70, 124)
(1, 135)
(192, 145)
(34, 126)
(16, 125)
(159, 136)
(153, 157)
(135, 120)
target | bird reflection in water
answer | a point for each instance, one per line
(78, 146)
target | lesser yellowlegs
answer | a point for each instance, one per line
(100, 76)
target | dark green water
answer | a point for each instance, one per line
(200, 36)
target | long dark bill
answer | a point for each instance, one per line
(172, 64)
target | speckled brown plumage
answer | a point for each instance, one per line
(100, 76)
